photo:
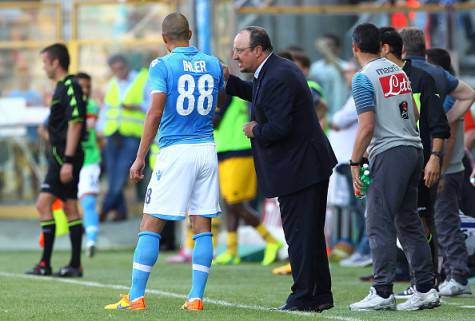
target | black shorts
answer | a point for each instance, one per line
(52, 183)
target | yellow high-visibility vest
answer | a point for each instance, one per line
(128, 123)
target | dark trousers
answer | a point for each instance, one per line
(392, 211)
(303, 220)
(447, 221)
(120, 153)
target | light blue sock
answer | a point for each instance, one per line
(201, 259)
(145, 256)
(91, 218)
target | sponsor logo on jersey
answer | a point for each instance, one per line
(394, 85)
(403, 109)
(387, 70)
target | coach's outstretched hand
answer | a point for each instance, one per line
(136, 170)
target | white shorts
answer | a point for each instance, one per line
(184, 180)
(89, 180)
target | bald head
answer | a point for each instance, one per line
(175, 27)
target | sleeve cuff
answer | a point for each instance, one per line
(256, 131)
(365, 110)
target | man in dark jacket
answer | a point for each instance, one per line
(293, 160)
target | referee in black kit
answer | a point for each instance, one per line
(66, 129)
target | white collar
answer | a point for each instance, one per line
(258, 70)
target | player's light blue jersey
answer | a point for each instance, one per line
(191, 80)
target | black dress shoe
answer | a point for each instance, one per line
(324, 306)
(306, 308)
(287, 307)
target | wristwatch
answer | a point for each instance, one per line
(436, 153)
(355, 163)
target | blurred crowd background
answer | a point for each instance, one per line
(96, 30)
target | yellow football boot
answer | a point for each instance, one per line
(125, 304)
(226, 259)
(270, 254)
(282, 270)
(195, 305)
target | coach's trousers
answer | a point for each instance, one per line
(303, 220)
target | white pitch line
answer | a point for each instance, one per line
(451, 303)
(174, 295)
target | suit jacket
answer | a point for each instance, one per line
(291, 152)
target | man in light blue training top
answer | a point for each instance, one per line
(184, 92)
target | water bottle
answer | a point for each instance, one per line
(365, 179)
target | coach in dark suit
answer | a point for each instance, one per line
(293, 160)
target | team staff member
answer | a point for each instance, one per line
(66, 129)
(387, 130)
(415, 51)
(447, 218)
(433, 129)
(126, 102)
(293, 160)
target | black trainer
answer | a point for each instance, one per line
(40, 269)
(69, 272)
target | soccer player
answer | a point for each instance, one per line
(66, 129)
(184, 91)
(387, 128)
(238, 182)
(89, 176)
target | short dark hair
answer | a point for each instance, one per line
(366, 37)
(286, 54)
(115, 58)
(258, 37)
(440, 57)
(302, 58)
(175, 26)
(414, 41)
(391, 37)
(58, 51)
(83, 75)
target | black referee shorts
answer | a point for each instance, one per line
(52, 183)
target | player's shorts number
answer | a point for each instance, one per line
(148, 195)
(186, 88)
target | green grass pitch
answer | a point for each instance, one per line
(244, 292)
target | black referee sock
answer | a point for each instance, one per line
(49, 230)
(75, 235)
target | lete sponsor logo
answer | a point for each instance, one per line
(394, 85)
